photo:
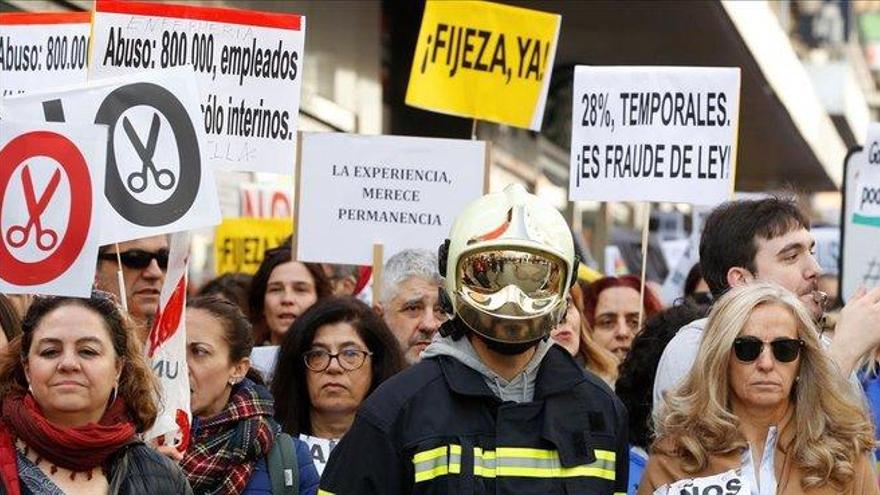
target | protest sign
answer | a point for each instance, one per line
(248, 66)
(42, 50)
(320, 449)
(484, 60)
(264, 201)
(51, 178)
(654, 134)
(727, 483)
(156, 178)
(402, 192)
(239, 243)
(166, 351)
(860, 222)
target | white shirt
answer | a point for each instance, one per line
(765, 484)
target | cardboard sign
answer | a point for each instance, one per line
(166, 351)
(860, 264)
(39, 51)
(401, 192)
(157, 181)
(239, 243)
(484, 60)
(248, 66)
(51, 178)
(264, 201)
(654, 134)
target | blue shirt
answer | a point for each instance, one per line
(261, 484)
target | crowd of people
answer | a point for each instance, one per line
(487, 367)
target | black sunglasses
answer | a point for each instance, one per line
(139, 259)
(747, 349)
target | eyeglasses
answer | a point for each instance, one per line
(139, 259)
(318, 360)
(747, 349)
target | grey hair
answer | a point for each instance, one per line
(405, 264)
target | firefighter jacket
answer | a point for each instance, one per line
(436, 428)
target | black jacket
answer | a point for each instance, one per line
(436, 428)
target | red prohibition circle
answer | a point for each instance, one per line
(63, 151)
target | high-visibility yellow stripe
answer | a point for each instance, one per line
(605, 455)
(427, 455)
(454, 455)
(510, 461)
(526, 453)
(324, 492)
(431, 473)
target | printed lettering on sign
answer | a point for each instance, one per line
(484, 60)
(157, 178)
(42, 50)
(402, 192)
(727, 483)
(654, 134)
(247, 66)
(48, 233)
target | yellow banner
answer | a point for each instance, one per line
(484, 60)
(239, 243)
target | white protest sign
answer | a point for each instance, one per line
(320, 449)
(654, 134)
(860, 264)
(166, 351)
(42, 50)
(156, 179)
(248, 66)
(51, 183)
(401, 192)
(727, 483)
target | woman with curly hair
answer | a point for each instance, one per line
(764, 412)
(75, 393)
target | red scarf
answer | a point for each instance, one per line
(78, 449)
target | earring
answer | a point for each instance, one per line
(233, 381)
(113, 395)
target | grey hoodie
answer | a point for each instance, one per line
(520, 389)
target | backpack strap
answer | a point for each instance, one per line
(283, 466)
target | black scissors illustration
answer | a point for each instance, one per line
(137, 181)
(17, 235)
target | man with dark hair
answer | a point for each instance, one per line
(769, 240)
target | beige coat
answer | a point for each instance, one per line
(665, 467)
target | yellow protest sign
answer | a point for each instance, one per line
(484, 60)
(239, 243)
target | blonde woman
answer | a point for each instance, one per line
(765, 412)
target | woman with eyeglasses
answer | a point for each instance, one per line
(75, 393)
(234, 432)
(765, 412)
(333, 357)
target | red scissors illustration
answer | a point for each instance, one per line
(17, 235)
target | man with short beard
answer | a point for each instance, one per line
(768, 240)
(408, 301)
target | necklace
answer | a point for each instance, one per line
(38, 461)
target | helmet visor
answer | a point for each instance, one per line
(537, 275)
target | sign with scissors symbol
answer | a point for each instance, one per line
(137, 181)
(35, 258)
(156, 176)
(17, 235)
